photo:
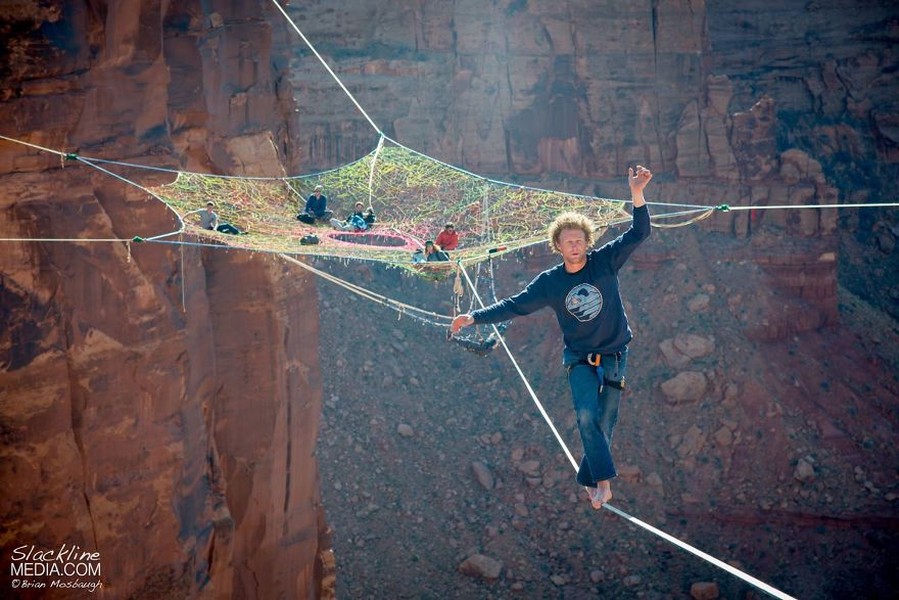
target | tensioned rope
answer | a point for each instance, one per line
(325, 65)
(667, 537)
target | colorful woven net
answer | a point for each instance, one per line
(412, 195)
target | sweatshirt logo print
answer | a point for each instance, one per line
(584, 302)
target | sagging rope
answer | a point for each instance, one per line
(761, 585)
(401, 307)
(371, 171)
(696, 219)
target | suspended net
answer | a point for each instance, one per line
(412, 195)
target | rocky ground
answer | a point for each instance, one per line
(441, 480)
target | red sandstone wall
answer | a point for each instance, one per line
(158, 406)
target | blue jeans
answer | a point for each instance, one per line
(596, 406)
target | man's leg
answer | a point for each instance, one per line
(613, 368)
(609, 401)
(597, 467)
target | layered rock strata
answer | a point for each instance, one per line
(159, 404)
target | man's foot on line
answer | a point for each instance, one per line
(599, 495)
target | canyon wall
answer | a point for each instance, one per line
(159, 404)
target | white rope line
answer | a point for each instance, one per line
(667, 537)
(697, 552)
(35, 146)
(69, 240)
(788, 206)
(527, 384)
(327, 67)
(695, 219)
(400, 307)
(181, 225)
(371, 171)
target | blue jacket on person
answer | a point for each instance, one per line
(588, 303)
(317, 205)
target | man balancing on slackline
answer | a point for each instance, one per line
(583, 292)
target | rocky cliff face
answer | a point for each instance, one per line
(159, 405)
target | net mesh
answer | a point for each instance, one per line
(413, 196)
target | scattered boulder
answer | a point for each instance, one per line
(804, 471)
(654, 480)
(479, 565)
(692, 442)
(531, 468)
(483, 475)
(724, 436)
(694, 346)
(405, 430)
(673, 357)
(704, 590)
(698, 303)
(630, 473)
(686, 386)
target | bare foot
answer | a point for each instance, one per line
(601, 494)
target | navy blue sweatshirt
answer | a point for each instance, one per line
(587, 303)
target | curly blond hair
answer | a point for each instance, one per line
(569, 220)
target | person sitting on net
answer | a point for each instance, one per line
(357, 221)
(210, 220)
(434, 253)
(316, 208)
(448, 239)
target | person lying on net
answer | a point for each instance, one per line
(357, 221)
